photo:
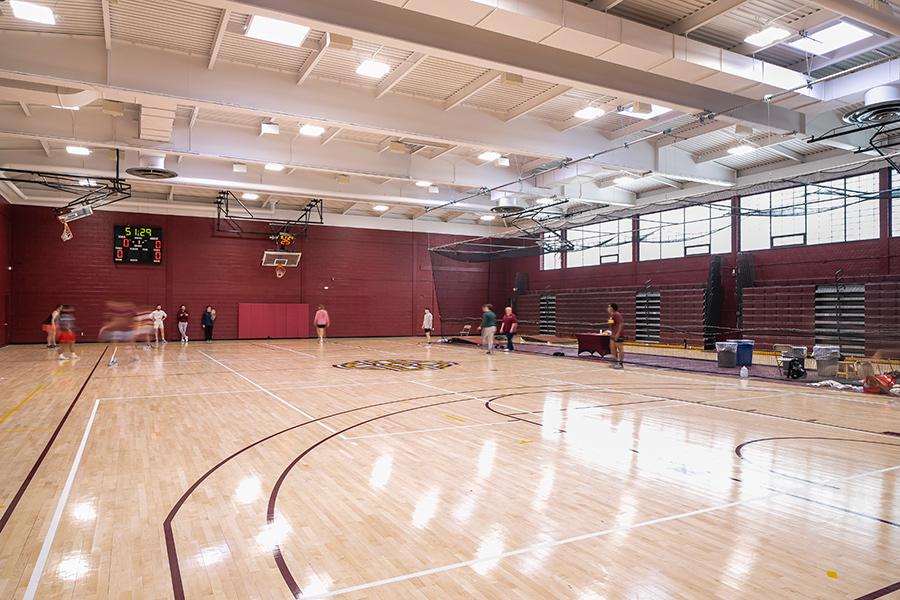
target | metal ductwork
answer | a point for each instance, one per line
(45, 95)
(884, 20)
(508, 205)
(882, 105)
(152, 166)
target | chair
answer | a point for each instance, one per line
(846, 369)
(466, 330)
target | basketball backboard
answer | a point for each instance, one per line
(275, 258)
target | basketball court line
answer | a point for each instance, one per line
(579, 538)
(412, 431)
(271, 394)
(274, 347)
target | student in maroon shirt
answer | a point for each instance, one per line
(617, 335)
(509, 326)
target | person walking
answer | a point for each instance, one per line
(488, 327)
(617, 335)
(322, 321)
(509, 326)
(50, 325)
(159, 329)
(66, 335)
(207, 321)
(182, 318)
(428, 325)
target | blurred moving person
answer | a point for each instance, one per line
(182, 318)
(143, 327)
(66, 334)
(118, 328)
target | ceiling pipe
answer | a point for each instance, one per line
(883, 20)
(71, 100)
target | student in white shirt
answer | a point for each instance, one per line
(428, 325)
(159, 330)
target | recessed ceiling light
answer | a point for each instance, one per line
(489, 156)
(655, 111)
(589, 112)
(29, 11)
(61, 107)
(624, 180)
(433, 189)
(544, 201)
(381, 208)
(423, 184)
(87, 182)
(277, 31)
(488, 217)
(78, 150)
(741, 149)
(831, 38)
(767, 36)
(373, 68)
(503, 161)
(239, 168)
(274, 167)
(249, 196)
(312, 130)
(269, 128)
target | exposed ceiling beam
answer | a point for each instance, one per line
(171, 195)
(787, 153)
(758, 141)
(442, 152)
(401, 71)
(330, 135)
(471, 89)
(605, 5)
(107, 27)
(666, 181)
(46, 147)
(691, 131)
(220, 35)
(703, 16)
(195, 113)
(314, 58)
(536, 102)
(816, 19)
(814, 63)
(25, 109)
(884, 20)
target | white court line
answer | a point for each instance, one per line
(287, 350)
(38, 571)
(271, 394)
(579, 538)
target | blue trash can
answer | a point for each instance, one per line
(744, 352)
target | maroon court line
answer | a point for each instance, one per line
(40, 459)
(894, 587)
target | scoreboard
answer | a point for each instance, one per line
(137, 244)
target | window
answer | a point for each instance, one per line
(842, 210)
(551, 259)
(701, 229)
(600, 243)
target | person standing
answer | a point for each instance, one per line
(509, 326)
(66, 335)
(428, 325)
(159, 329)
(207, 322)
(50, 325)
(488, 327)
(322, 321)
(617, 335)
(182, 318)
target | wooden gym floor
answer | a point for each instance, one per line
(259, 470)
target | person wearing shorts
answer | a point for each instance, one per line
(50, 326)
(428, 325)
(617, 335)
(182, 318)
(118, 328)
(66, 335)
(488, 327)
(159, 329)
(322, 321)
(509, 326)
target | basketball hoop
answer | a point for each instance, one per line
(280, 271)
(67, 233)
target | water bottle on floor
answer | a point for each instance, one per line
(745, 372)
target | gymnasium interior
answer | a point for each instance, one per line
(307, 299)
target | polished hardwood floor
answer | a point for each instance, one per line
(259, 470)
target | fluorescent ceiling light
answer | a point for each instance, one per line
(61, 107)
(624, 180)
(488, 217)
(312, 130)
(269, 128)
(831, 38)
(543, 201)
(78, 150)
(433, 189)
(503, 161)
(589, 112)
(277, 31)
(373, 68)
(767, 36)
(381, 208)
(239, 168)
(249, 196)
(87, 182)
(29, 11)
(489, 156)
(741, 149)
(655, 111)
(423, 184)
(274, 167)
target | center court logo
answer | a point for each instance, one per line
(397, 365)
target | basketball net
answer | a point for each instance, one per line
(280, 271)
(67, 233)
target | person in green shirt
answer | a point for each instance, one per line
(488, 327)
